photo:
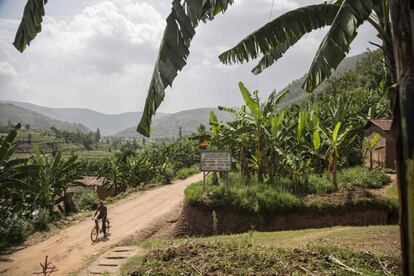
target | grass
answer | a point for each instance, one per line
(183, 173)
(285, 252)
(293, 195)
(363, 178)
(130, 265)
(392, 192)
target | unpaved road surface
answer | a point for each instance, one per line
(70, 247)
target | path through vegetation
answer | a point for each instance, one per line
(71, 247)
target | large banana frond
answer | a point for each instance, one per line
(274, 100)
(335, 45)
(239, 113)
(253, 105)
(274, 38)
(174, 49)
(30, 25)
(274, 54)
(7, 145)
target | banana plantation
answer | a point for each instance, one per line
(324, 133)
(299, 161)
(31, 188)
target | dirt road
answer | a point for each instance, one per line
(70, 247)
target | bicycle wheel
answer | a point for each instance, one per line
(107, 226)
(94, 234)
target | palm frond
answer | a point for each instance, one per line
(274, 38)
(174, 50)
(335, 45)
(251, 103)
(31, 23)
(7, 145)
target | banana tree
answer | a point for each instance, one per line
(335, 141)
(369, 145)
(113, 172)
(256, 121)
(343, 16)
(234, 136)
(54, 178)
(15, 175)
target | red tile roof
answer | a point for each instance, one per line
(382, 124)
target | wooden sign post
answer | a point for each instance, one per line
(215, 161)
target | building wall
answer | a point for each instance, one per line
(379, 153)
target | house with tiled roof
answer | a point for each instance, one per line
(384, 152)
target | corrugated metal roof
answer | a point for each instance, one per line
(92, 181)
(382, 124)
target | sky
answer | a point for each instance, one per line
(100, 55)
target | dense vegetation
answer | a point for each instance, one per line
(288, 195)
(322, 133)
(33, 190)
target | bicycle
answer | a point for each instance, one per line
(96, 231)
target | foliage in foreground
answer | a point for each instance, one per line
(294, 194)
(32, 188)
(323, 133)
(245, 259)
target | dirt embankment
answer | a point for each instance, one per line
(69, 248)
(198, 220)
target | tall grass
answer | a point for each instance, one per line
(286, 194)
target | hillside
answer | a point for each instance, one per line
(108, 124)
(297, 94)
(188, 120)
(164, 125)
(15, 114)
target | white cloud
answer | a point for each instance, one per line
(71, 63)
(7, 72)
(102, 57)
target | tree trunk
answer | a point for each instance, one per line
(402, 18)
(334, 169)
(68, 203)
(370, 160)
(214, 179)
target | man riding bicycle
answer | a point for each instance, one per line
(103, 211)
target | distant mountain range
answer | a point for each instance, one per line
(297, 94)
(108, 124)
(15, 114)
(189, 121)
(124, 124)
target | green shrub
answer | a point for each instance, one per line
(86, 199)
(40, 219)
(13, 231)
(362, 177)
(251, 199)
(183, 173)
(287, 194)
(320, 184)
(165, 173)
(351, 177)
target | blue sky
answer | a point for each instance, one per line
(100, 55)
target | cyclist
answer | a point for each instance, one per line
(103, 211)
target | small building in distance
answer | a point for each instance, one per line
(384, 153)
(98, 184)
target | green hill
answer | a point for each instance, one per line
(167, 126)
(297, 94)
(15, 114)
(108, 124)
